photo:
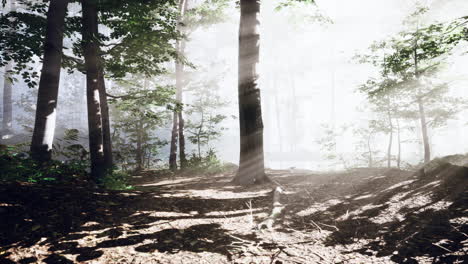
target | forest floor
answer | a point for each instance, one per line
(357, 216)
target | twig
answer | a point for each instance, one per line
(273, 257)
(319, 228)
(336, 228)
(442, 247)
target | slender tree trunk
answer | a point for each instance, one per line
(399, 144)
(371, 160)
(422, 114)
(106, 133)
(251, 160)
(390, 141)
(44, 124)
(425, 137)
(180, 85)
(139, 149)
(91, 55)
(173, 149)
(7, 121)
(199, 134)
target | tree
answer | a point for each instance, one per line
(178, 120)
(251, 160)
(204, 123)
(44, 126)
(7, 121)
(205, 13)
(93, 81)
(408, 66)
(136, 117)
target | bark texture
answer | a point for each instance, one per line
(44, 124)
(91, 55)
(173, 148)
(7, 121)
(106, 133)
(178, 120)
(251, 161)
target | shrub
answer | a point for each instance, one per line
(209, 164)
(116, 180)
(18, 166)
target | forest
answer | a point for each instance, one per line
(222, 131)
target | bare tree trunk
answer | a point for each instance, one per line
(139, 149)
(251, 161)
(7, 121)
(44, 125)
(106, 134)
(425, 137)
(173, 149)
(390, 141)
(199, 133)
(422, 114)
(180, 85)
(371, 160)
(91, 55)
(399, 144)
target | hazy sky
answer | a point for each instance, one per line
(301, 63)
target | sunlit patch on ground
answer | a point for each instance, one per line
(329, 218)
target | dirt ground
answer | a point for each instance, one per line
(357, 216)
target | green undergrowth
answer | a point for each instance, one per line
(209, 164)
(116, 180)
(19, 167)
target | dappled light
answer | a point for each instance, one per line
(220, 131)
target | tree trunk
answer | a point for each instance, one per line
(251, 160)
(425, 137)
(422, 114)
(371, 160)
(44, 125)
(173, 149)
(180, 85)
(106, 134)
(7, 121)
(91, 55)
(390, 142)
(139, 149)
(199, 134)
(399, 143)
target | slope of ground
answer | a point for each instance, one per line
(359, 216)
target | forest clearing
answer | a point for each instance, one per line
(222, 131)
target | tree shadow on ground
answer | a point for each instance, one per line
(59, 216)
(389, 216)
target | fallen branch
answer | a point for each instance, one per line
(276, 211)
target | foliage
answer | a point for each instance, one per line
(116, 180)
(209, 164)
(19, 167)
(68, 147)
(328, 143)
(136, 115)
(139, 37)
(203, 113)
